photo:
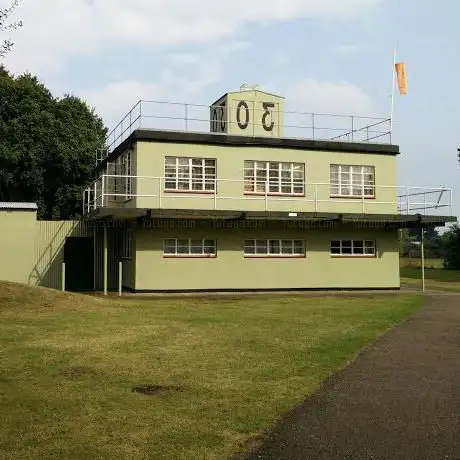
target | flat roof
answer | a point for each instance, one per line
(18, 206)
(365, 220)
(183, 137)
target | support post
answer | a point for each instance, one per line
(393, 86)
(120, 278)
(266, 196)
(94, 259)
(316, 197)
(422, 251)
(105, 259)
(63, 277)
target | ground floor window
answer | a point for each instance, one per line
(274, 248)
(356, 248)
(188, 247)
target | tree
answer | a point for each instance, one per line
(451, 248)
(47, 146)
(6, 45)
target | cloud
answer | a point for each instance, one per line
(348, 104)
(55, 30)
(114, 100)
(340, 98)
(345, 50)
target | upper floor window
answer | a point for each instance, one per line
(120, 177)
(190, 174)
(281, 177)
(352, 181)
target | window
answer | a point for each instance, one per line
(355, 248)
(190, 174)
(173, 247)
(352, 181)
(282, 178)
(274, 248)
(122, 170)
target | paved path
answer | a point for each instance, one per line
(399, 400)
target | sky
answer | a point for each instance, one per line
(328, 56)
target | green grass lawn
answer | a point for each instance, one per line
(435, 279)
(68, 364)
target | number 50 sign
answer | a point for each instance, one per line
(248, 113)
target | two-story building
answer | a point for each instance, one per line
(251, 197)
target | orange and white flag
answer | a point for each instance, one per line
(402, 77)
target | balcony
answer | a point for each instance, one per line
(146, 192)
(168, 116)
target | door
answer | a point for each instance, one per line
(79, 264)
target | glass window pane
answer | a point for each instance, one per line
(183, 184)
(274, 188)
(275, 247)
(196, 250)
(286, 189)
(249, 186)
(210, 186)
(184, 161)
(210, 163)
(369, 191)
(346, 247)
(260, 187)
(261, 247)
(298, 189)
(170, 161)
(249, 249)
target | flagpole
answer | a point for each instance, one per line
(393, 87)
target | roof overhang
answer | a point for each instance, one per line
(199, 138)
(362, 220)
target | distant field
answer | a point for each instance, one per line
(406, 262)
(435, 277)
(432, 274)
(227, 369)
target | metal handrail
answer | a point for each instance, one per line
(320, 126)
(312, 193)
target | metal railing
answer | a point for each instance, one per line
(150, 192)
(198, 118)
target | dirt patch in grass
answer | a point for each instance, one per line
(155, 389)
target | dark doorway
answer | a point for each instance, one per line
(79, 264)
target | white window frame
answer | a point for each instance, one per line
(123, 181)
(258, 173)
(189, 248)
(190, 174)
(274, 248)
(368, 248)
(352, 181)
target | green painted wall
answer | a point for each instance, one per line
(230, 270)
(17, 238)
(149, 161)
(49, 239)
(224, 117)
